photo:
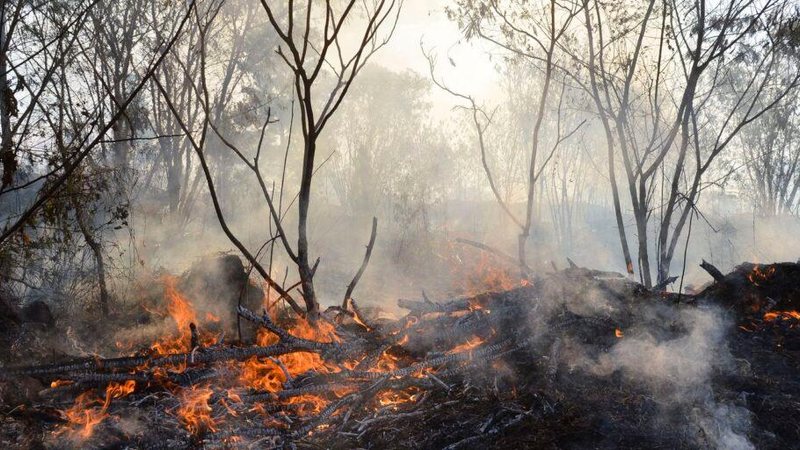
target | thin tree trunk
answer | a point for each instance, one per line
(626, 253)
(97, 252)
(7, 155)
(304, 201)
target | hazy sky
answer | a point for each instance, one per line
(474, 72)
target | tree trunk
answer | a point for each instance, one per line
(97, 251)
(7, 102)
(304, 200)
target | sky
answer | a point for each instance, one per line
(474, 72)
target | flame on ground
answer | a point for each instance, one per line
(759, 275)
(393, 398)
(195, 412)
(308, 404)
(471, 343)
(268, 375)
(59, 383)
(773, 316)
(183, 315)
(89, 410)
(485, 276)
(256, 374)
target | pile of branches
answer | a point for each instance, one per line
(430, 350)
(492, 368)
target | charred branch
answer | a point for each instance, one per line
(713, 271)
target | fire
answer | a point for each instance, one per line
(89, 410)
(321, 331)
(757, 275)
(270, 375)
(308, 404)
(255, 370)
(117, 390)
(195, 412)
(772, 316)
(393, 398)
(386, 363)
(58, 383)
(618, 333)
(260, 374)
(789, 318)
(183, 315)
(84, 415)
(484, 276)
(469, 345)
(301, 362)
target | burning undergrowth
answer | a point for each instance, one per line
(572, 359)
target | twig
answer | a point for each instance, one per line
(367, 254)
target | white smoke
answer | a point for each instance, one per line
(678, 371)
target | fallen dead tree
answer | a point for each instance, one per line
(574, 358)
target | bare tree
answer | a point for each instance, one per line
(771, 161)
(306, 53)
(311, 55)
(58, 130)
(535, 38)
(658, 128)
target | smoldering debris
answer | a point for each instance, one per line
(571, 359)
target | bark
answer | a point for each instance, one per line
(7, 106)
(304, 201)
(97, 252)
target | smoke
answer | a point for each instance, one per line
(678, 371)
(676, 355)
(681, 364)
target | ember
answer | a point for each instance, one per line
(759, 276)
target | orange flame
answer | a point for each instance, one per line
(58, 383)
(618, 333)
(85, 414)
(394, 398)
(386, 363)
(757, 275)
(183, 314)
(781, 315)
(469, 345)
(195, 412)
(486, 275)
(309, 404)
(265, 374)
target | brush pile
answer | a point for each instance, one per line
(573, 359)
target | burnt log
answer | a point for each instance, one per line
(753, 289)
